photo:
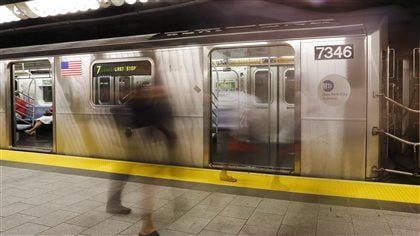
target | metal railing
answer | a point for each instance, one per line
(376, 169)
(215, 103)
(214, 111)
(29, 109)
(416, 73)
(396, 103)
(376, 131)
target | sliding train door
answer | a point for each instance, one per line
(273, 90)
(31, 105)
(253, 115)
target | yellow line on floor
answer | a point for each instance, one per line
(328, 187)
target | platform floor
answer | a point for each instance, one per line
(39, 200)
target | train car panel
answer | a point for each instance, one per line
(3, 102)
(377, 44)
(181, 70)
(94, 126)
(334, 108)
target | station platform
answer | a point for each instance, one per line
(44, 194)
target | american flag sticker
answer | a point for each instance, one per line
(71, 68)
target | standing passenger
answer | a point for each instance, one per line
(149, 108)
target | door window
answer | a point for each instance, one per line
(289, 86)
(261, 85)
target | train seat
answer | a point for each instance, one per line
(26, 123)
(23, 126)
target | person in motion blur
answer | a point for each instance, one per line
(245, 128)
(149, 109)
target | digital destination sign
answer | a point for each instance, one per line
(125, 68)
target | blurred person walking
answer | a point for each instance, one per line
(149, 108)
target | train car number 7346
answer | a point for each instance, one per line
(334, 52)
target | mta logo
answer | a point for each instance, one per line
(328, 86)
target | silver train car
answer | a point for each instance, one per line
(310, 91)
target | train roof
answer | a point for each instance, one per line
(209, 36)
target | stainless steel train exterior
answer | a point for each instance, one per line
(318, 79)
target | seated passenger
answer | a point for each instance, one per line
(47, 118)
(20, 106)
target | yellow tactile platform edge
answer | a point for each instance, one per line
(328, 187)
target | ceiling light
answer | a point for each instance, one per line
(117, 2)
(130, 1)
(17, 12)
(6, 15)
(45, 8)
(104, 3)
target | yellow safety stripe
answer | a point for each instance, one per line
(308, 185)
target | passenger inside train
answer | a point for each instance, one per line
(45, 119)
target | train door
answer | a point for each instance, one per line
(253, 117)
(31, 105)
(273, 90)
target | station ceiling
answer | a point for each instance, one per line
(156, 16)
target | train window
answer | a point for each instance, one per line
(33, 80)
(114, 82)
(104, 90)
(289, 86)
(124, 89)
(261, 86)
(47, 93)
(226, 85)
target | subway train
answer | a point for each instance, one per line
(323, 98)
